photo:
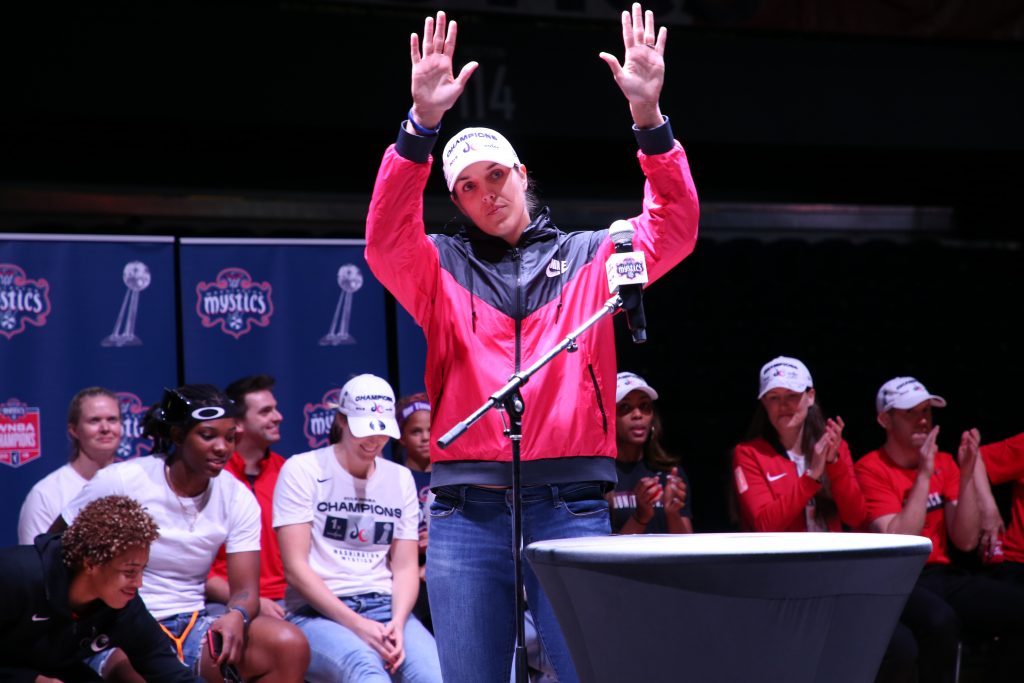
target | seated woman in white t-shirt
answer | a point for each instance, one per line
(94, 429)
(198, 511)
(347, 524)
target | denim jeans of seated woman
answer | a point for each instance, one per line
(338, 655)
(471, 576)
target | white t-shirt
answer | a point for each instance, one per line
(353, 520)
(813, 523)
(46, 500)
(175, 578)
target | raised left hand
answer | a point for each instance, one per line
(968, 452)
(642, 72)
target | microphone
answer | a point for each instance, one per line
(627, 273)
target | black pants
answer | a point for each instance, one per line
(899, 665)
(948, 602)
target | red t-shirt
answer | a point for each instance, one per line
(1004, 461)
(272, 582)
(886, 485)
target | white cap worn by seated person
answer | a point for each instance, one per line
(471, 145)
(904, 393)
(626, 382)
(369, 404)
(785, 372)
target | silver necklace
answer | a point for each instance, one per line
(198, 503)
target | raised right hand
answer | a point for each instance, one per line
(826, 450)
(926, 462)
(647, 491)
(435, 88)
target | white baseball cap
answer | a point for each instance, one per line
(471, 145)
(626, 382)
(904, 393)
(369, 404)
(785, 372)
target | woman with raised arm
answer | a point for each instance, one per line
(199, 511)
(491, 301)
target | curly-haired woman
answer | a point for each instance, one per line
(71, 596)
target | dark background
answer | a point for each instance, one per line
(268, 118)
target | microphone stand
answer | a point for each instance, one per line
(510, 400)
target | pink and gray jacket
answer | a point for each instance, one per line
(490, 309)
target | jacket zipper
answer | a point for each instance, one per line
(517, 260)
(597, 393)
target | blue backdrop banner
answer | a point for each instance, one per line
(77, 311)
(307, 312)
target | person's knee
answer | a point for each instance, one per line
(290, 642)
(942, 629)
(118, 669)
(282, 644)
(360, 664)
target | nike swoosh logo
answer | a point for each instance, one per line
(555, 268)
(320, 481)
(36, 617)
(776, 477)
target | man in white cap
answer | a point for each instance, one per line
(491, 301)
(938, 496)
(913, 488)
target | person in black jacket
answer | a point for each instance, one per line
(72, 596)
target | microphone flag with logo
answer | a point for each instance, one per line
(627, 273)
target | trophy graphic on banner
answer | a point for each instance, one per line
(136, 278)
(350, 279)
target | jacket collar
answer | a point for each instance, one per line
(489, 247)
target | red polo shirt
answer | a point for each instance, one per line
(272, 582)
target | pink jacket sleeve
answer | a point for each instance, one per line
(398, 250)
(666, 229)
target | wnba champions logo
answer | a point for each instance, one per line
(19, 433)
(317, 418)
(22, 301)
(133, 443)
(234, 302)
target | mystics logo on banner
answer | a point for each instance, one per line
(234, 302)
(317, 418)
(19, 433)
(133, 444)
(22, 300)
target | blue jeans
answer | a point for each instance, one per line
(195, 641)
(339, 655)
(471, 578)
